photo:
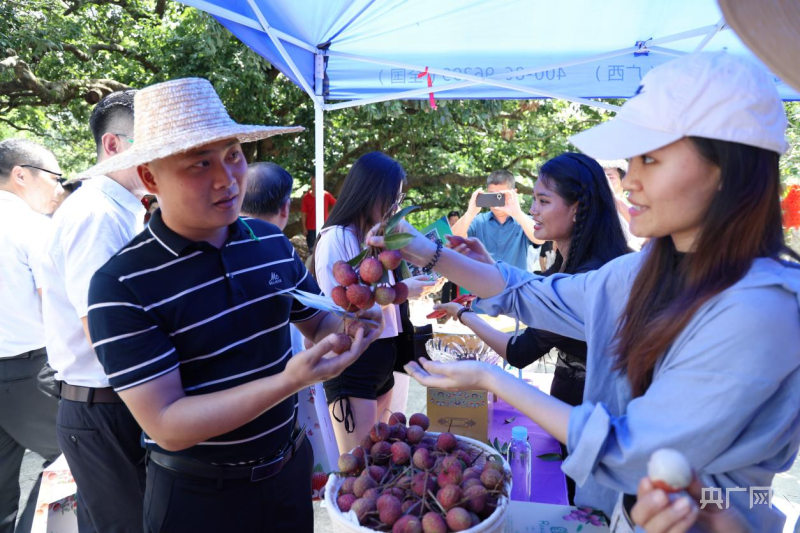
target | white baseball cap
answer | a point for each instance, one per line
(714, 95)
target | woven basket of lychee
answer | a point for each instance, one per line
(405, 479)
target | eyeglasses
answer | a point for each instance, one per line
(128, 137)
(58, 177)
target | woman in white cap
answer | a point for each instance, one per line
(703, 355)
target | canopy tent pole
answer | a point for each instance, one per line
(319, 138)
(711, 34)
(281, 50)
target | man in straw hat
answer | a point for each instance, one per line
(96, 431)
(191, 323)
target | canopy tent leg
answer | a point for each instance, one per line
(319, 139)
(710, 35)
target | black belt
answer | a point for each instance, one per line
(88, 394)
(257, 472)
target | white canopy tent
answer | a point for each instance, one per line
(346, 53)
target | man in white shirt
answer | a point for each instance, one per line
(29, 190)
(96, 432)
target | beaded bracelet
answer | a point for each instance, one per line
(462, 311)
(427, 268)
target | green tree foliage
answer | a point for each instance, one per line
(59, 57)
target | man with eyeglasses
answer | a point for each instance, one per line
(96, 432)
(28, 192)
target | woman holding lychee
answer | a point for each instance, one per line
(694, 343)
(372, 190)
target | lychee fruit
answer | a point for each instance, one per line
(421, 483)
(318, 481)
(433, 523)
(347, 485)
(390, 509)
(397, 492)
(452, 460)
(362, 507)
(415, 434)
(423, 460)
(397, 431)
(341, 343)
(458, 519)
(472, 473)
(446, 441)
(384, 295)
(348, 463)
(449, 496)
(491, 464)
(381, 452)
(491, 479)
(345, 501)
(390, 259)
(401, 453)
(358, 295)
(408, 504)
(339, 297)
(379, 432)
(397, 418)
(375, 472)
(369, 303)
(371, 270)
(471, 482)
(462, 456)
(400, 293)
(418, 419)
(363, 484)
(476, 498)
(407, 524)
(372, 494)
(354, 326)
(450, 475)
(367, 443)
(475, 519)
(669, 470)
(344, 274)
(361, 455)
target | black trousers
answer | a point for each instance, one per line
(27, 421)
(311, 239)
(179, 503)
(102, 445)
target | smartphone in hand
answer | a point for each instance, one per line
(494, 199)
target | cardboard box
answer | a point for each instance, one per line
(464, 413)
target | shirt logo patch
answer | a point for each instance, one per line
(274, 279)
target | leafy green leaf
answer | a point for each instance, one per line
(509, 420)
(354, 262)
(398, 240)
(397, 217)
(579, 527)
(551, 457)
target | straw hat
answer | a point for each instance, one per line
(176, 116)
(771, 29)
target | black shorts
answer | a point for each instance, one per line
(369, 377)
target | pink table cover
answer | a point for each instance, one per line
(548, 483)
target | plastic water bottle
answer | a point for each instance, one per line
(519, 458)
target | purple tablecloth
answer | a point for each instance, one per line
(548, 484)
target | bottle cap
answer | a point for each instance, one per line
(519, 433)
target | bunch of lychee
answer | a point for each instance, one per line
(405, 480)
(360, 289)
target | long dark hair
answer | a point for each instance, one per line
(597, 233)
(742, 223)
(374, 179)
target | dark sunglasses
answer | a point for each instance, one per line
(58, 177)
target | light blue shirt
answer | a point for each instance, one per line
(726, 394)
(505, 242)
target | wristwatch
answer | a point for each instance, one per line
(462, 311)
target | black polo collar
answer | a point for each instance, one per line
(176, 244)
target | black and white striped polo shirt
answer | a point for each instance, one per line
(220, 316)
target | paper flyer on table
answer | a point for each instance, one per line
(530, 517)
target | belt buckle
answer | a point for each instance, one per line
(262, 472)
